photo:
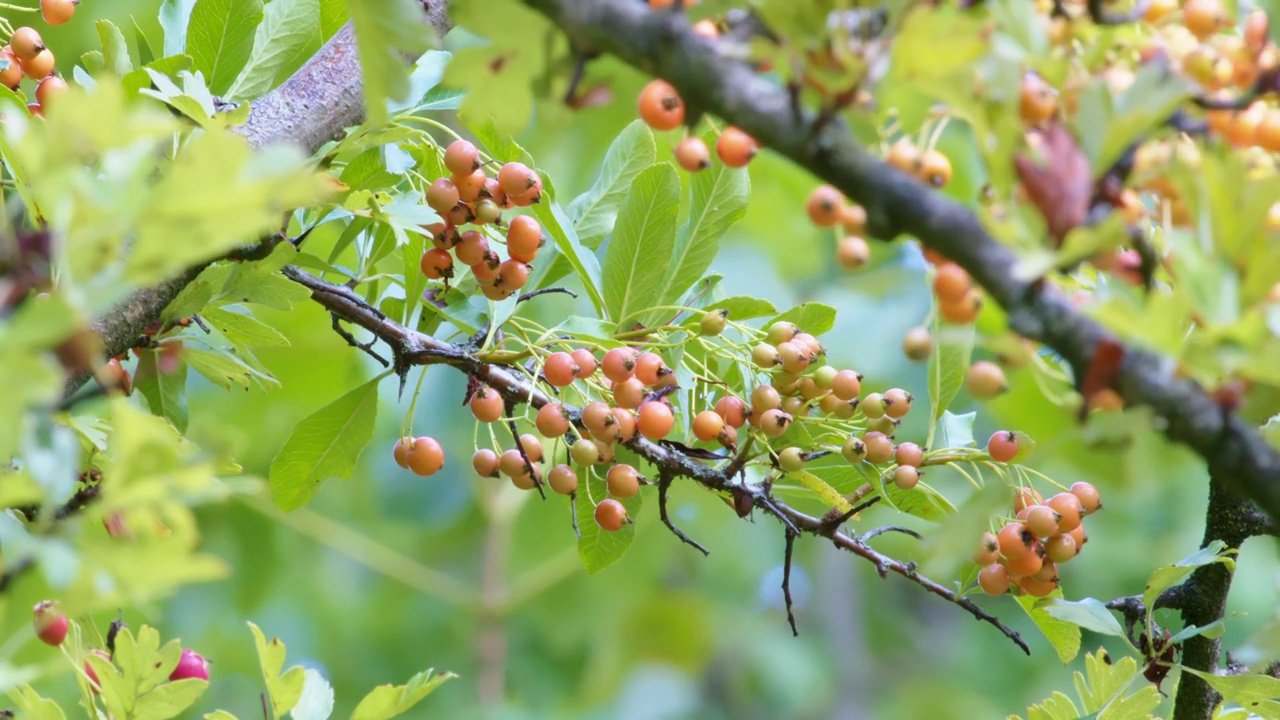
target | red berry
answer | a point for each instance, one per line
(879, 448)
(513, 275)
(846, 385)
(560, 369)
(897, 403)
(487, 269)
(93, 676)
(586, 361)
(906, 477)
(629, 393)
(660, 106)
(191, 665)
(692, 154)
(1003, 445)
(487, 404)
(735, 148)
(775, 422)
(733, 410)
(461, 157)
(437, 264)
(51, 623)
(611, 515)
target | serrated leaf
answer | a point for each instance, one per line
(166, 393)
(145, 53)
(316, 701)
(286, 33)
(282, 689)
(1088, 613)
(948, 365)
(1062, 635)
(244, 329)
(599, 548)
(641, 244)
(1168, 576)
(1247, 690)
(226, 370)
(327, 443)
(584, 262)
(1057, 707)
(744, 307)
(719, 200)
(593, 213)
(811, 317)
(220, 38)
(386, 30)
(388, 701)
(175, 17)
(33, 706)
(115, 51)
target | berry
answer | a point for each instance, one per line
(1015, 540)
(1024, 498)
(623, 481)
(563, 479)
(707, 425)
(586, 361)
(93, 676)
(1037, 102)
(560, 369)
(444, 236)
(765, 356)
(629, 393)
(425, 457)
(401, 451)
(495, 291)
(1069, 509)
(437, 264)
(918, 344)
(854, 450)
(735, 148)
(873, 406)
(51, 623)
(824, 206)
(597, 417)
(781, 332)
(585, 452)
(619, 364)
(487, 404)
(1203, 17)
(765, 397)
(733, 410)
(906, 477)
(487, 212)
(963, 311)
(191, 665)
(692, 154)
(12, 74)
(1090, 500)
(713, 323)
(626, 424)
(951, 283)
(794, 358)
(1042, 520)
(774, 422)
(1048, 572)
(793, 405)
(904, 155)
(935, 168)
(884, 424)
(988, 550)
(879, 446)
(1028, 564)
(442, 195)
(897, 403)
(909, 454)
(526, 480)
(1003, 445)
(512, 464)
(469, 186)
(852, 252)
(985, 380)
(655, 420)
(611, 515)
(660, 106)
(39, 67)
(524, 238)
(791, 459)
(811, 342)
(1079, 536)
(513, 275)
(26, 43)
(1061, 548)
(854, 219)
(532, 447)
(650, 369)
(1036, 588)
(57, 12)
(516, 179)
(461, 157)
(846, 385)
(472, 248)
(994, 579)
(485, 462)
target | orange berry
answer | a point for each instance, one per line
(623, 481)
(660, 106)
(39, 67)
(951, 283)
(487, 404)
(1203, 17)
(401, 451)
(1070, 510)
(26, 43)
(1090, 500)
(560, 369)
(735, 148)
(825, 206)
(485, 462)
(12, 74)
(1015, 540)
(935, 168)
(733, 410)
(57, 12)
(994, 579)
(1028, 564)
(425, 456)
(563, 479)
(988, 550)
(1061, 548)
(707, 425)
(611, 515)
(619, 364)
(692, 154)
(1037, 101)
(655, 420)
(852, 252)
(904, 155)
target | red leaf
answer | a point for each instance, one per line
(1060, 186)
(1102, 370)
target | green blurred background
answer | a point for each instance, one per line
(388, 574)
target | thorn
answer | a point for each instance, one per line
(664, 482)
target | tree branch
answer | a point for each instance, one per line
(665, 45)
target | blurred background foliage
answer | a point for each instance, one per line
(388, 574)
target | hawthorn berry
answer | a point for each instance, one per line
(532, 447)
(707, 425)
(735, 148)
(1015, 540)
(585, 452)
(854, 219)
(11, 76)
(660, 106)
(485, 462)
(629, 393)
(994, 579)
(988, 550)
(437, 264)
(963, 311)
(781, 332)
(1069, 509)
(649, 368)
(39, 67)
(51, 624)
(692, 154)
(626, 424)
(825, 206)
(472, 248)
(1024, 565)
(26, 43)
(775, 422)
(560, 369)
(909, 454)
(884, 424)
(1003, 445)
(425, 456)
(442, 196)
(1048, 572)
(445, 236)
(1090, 500)
(524, 238)
(401, 451)
(1061, 548)
(512, 463)
(57, 12)
(852, 252)
(563, 479)
(733, 410)
(461, 157)
(1037, 101)
(1079, 536)
(190, 665)
(517, 179)
(854, 450)
(934, 169)
(89, 672)
(596, 416)
(794, 358)
(586, 361)
(487, 404)
(873, 406)
(879, 447)
(806, 340)
(1042, 520)
(904, 155)
(1037, 588)
(951, 283)
(765, 397)
(793, 405)
(846, 385)
(906, 477)
(791, 459)
(487, 212)
(495, 291)
(713, 323)
(619, 364)
(1024, 498)
(623, 481)
(469, 186)
(985, 380)
(765, 356)
(513, 275)
(918, 344)
(611, 515)
(897, 403)
(655, 419)
(1203, 17)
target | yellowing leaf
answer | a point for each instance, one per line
(283, 690)
(388, 701)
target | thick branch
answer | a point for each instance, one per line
(664, 44)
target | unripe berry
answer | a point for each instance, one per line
(563, 479)
(586, 361)
(918, 344)
(707, 425)
(619, 364)
(485, 463)
(780, 332)
(774, 423)
(765, 356)
(994, 579)
(791, 459)
(51, 623)
(425, 457)
(1003, 445)
(873, 406)
(713, 323)
(655, 420)
(805, 340)
(660, 106)
(1037, 101)
(1069, 509)
(1061, 548)
(735, 148)
(854, 450)
(585, 452)
(985, 380)
(623, 481)
(560, 369)
(92, 675)
(611, 515)
(1048, 572)
(487, 404)
(1015, 540)
(1090, 500)
(988, 550)
(401, 451)
(733, 410)
(650, 368)
(190, 665)
(906, 477)
(897, 403)
(461, 157)
(824, 206)
(487, 212)
(692, 154)
(765, 397)
(1042, 520)
(879, 447)
(852, 252)
(886, 425)
(908, 453)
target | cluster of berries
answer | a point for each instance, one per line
(662, 109)
(27, 56)
(1026, 552)
(470, 196)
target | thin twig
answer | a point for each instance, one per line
(351, 340)
(664, 482)
(786, 579)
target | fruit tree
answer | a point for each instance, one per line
(981, 296)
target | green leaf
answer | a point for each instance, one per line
(225, 368)
(327, 443)
(1166, 577)
(219, 715)
(220, 38)
(316, 701)
(244, 329)
(824, 492)
(145, 53)
(953, 346)
(175, 17)
(1246, 690)
(386, 30)
(811, 317)
(599, 548)
(136, 684)
(744, 307)
(955, 431)
(1088, 613)
(1062, 635)
(1108, 123)
(556, 224)
(1057, 707)
(166, 393)
(33, 706)
(593, 212)
(115, 51)
(388, 701)
(1105, 682)
(283, 689)
(719, 200)
(287, 30)
(642, 242)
